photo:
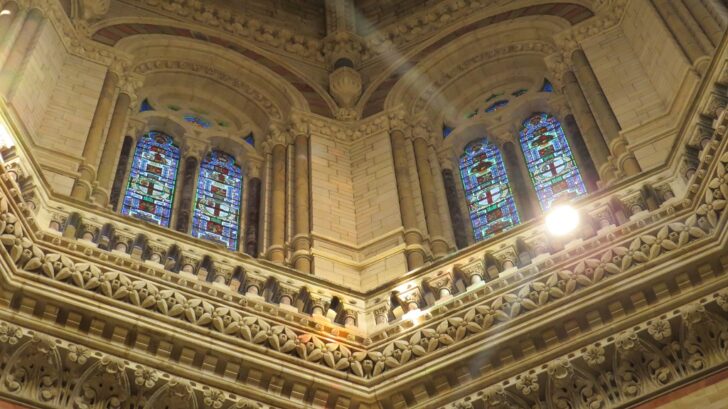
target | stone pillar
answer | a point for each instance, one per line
(184, 200)
(456, 216)
(301, 240)
(603, 114)
(520, 183)
(693, 25)
(703, 17)
(122, 170)
(8, 13)
(595, 143)
(252, 217)
(429, 197)
(112, 148)
(276, 250)
(679, 29)
(91, 149)
(581, 154)
(19, 51)
(413, 237)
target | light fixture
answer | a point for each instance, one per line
(562, 220)
(5, 12)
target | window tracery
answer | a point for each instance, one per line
(151, 183)
(487, 192)
(217, 205)
(551, 165)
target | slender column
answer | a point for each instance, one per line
(719, 10)
(595, 143)
(8, 13)
(706, 20)
(121, 172)
(186, 193)
(87, 169)
(693, 26)
(458, 223)
(679, 30)
(19, 51)
(521, 186)
(603, 114)
(581, 154)
(276, 251)
(412, 236)
(463, 203)
(429, 198)
(252, 217)
(110, 154)
(301, 240)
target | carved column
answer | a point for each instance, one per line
(707, 21)
(581, 153)
(429, 197)
(595, 142)
(276, 250)
(456, 216)
(252, 216)
(8, 14)
(413, 237)
(679, 29)
(185, 197)
(91, 149)
(111, 150)
(301, 240)
(19, 51)
(522, 189)
(603, 114)
(122, 170)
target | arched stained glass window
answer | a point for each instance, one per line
(217, 207)
(150, 190)
(490, 201)
(551, 165)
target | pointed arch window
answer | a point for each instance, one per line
(487, 192)
(150, 189)
(217, 206)
(552, 167)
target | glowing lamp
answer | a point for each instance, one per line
(5, 12)
(562, 220)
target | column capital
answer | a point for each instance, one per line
(277, 135)
(299, 125)
(397, 120)
(253, 167)
(136, 127)
(129, 84)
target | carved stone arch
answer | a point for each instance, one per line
(102, 385)
(239, 149)
(373, 99)
(165, 123)
(122, 32)
(34, 371)
(176, 393)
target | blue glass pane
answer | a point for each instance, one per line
(197, 120)
(550, 163)
(547, 87)
(446, 131)
(487, 192)
(146, 106)
(250, 139)
(150, 190)
(497, 105)
(217, 207)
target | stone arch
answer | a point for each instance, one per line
(561, 14)
(113, 31)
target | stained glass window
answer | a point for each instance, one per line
(198, 120)
(497, 105)
(146, 106)
(217, 207)
(150, 190)
(547, 87)
(250, 139)
(550, 163)
(446, 131)
(487, 192)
